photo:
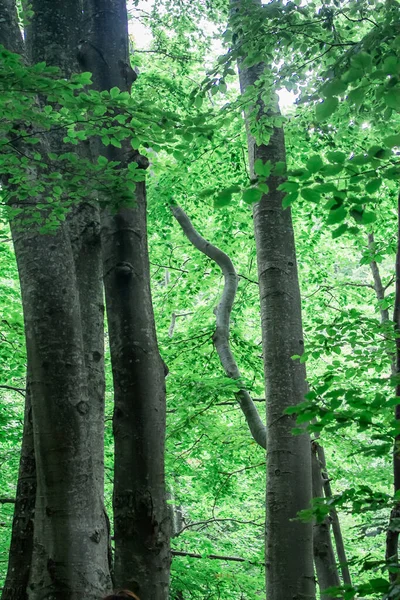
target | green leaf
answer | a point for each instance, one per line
(334, 88)
(336, 215)
(380, 585)
(331, 170)
(261, 168)
(114, 92)
(289, 186)
(391, 65)
(135, 142)
(340, 230)
(368, 217)
(310, 194)
(314, 163)
(326, 108)
(336, 157)
(373, 186)
(362, 61)
(252, 195)
(392, 140)
(289, 199)
(392, 98)
(223, 198)
(356, 96)
(198, 101)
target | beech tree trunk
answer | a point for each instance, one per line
(289, 543)
(324, 556)
(70, 545)
(393, 532)
(141, 521)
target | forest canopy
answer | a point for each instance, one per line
(200, 299)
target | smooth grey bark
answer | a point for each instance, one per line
(324, 557)
(222, 313)
(70, 535)
(52, 36)
(70, 545)
(378, 285)
(337, 532)
(20, 554)
(141, 520)
(289, 543)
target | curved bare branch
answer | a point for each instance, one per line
(222, 314)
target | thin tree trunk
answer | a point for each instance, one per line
(337, 532)
(141, 522)
(324, 557)
(392, 536)
(289, 545)
(20, 554)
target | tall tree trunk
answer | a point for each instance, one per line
(337, 532)
(70, 535)
(70, 546)
(141, 522)
(289, 545)
(392, 536)
(20, 554)
(324, 557)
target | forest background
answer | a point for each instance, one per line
(341, 62)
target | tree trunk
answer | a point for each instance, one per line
(392, 536)
(337, 532)
(289, 546)
(324, 557)
(20, 554)
(70, 546)
(70, 535)
(141, 522)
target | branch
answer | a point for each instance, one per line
(217, 520)
(222, 314)
(216, 557)
(7, 500)
(13, 389)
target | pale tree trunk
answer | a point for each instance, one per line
(337, 531)
(141, 522)
(324, 557)
(70, 546)
(289, 543)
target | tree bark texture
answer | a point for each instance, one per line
(70, 545)
(70, 557)
(337, 531)
(289, 545)
(324, 556)
(141, 521)
(53, 36)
